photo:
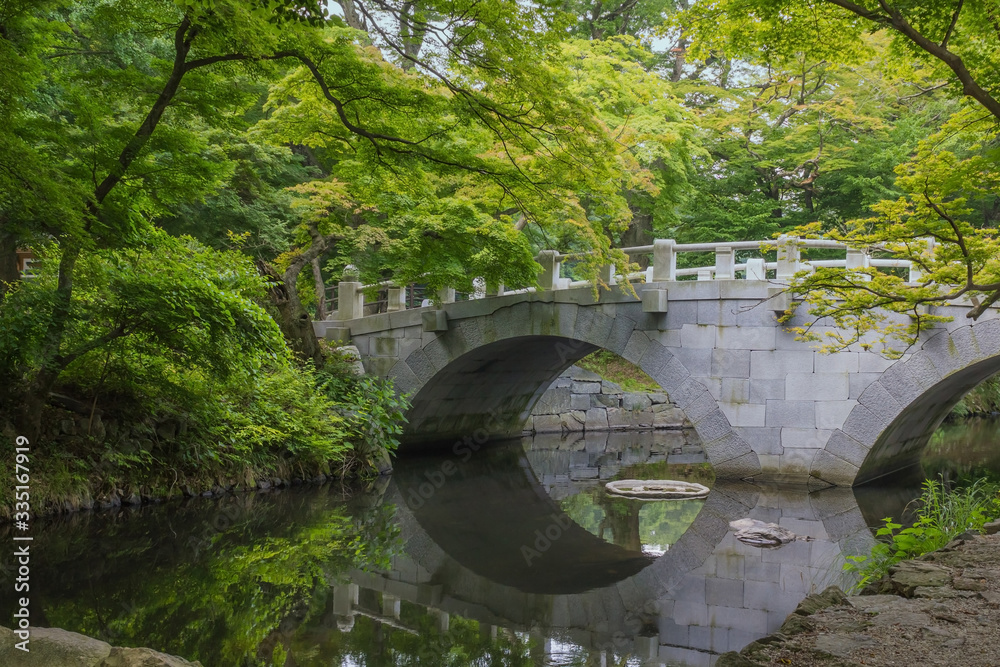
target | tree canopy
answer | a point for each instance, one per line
(940, 207)
(191, 175)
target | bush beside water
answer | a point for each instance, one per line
(176, 379)
(941, 515)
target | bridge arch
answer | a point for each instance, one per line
(484, 373)
(896, 415)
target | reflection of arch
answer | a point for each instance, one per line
(897, 414)
(485, 373)
(700, 587)
(456, 582)
(517, 536)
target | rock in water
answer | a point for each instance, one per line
(760, 534)
(656, 489)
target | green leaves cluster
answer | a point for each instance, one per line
(942, 514)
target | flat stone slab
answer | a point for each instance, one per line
(656, 489)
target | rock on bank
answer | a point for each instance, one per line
(942, 608)
(52, 647)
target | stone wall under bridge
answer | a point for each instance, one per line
(765, 406)
(580, 400)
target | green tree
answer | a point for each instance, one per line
(941, 221)
(130, 109)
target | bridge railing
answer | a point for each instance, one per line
(348, 301)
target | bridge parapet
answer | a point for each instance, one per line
(348, 295)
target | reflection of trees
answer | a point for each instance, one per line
(221, 583)
(621, 517)
(631, 524)
(964, 451)
(415, 638)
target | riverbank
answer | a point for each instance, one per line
(90, 463)
(302, 426)
(942, 608)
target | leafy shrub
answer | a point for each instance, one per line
(941, 515)
(983, 399)
(173, 332)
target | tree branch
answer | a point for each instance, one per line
(951, 28)
(894, 19)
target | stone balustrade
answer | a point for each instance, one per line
(663, 268)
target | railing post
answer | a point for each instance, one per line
(724, 263)
(548, 279)
(608, 275)
(664, 260)
(916, 274)
(350, 298)
(789, 253)
(397, 299)
(756, 270)
(478, 288)
(858, 259)
(446, 295)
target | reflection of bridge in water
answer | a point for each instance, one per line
(707, 594)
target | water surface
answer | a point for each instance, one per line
(509, 555)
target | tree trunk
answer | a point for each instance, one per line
(352, 17)
(40, 386)
(8, 260)
(293, 320)
(320, 289)
(639, 232)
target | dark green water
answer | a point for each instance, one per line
(514, 555)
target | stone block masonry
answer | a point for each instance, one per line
(581, 401)
(766, 406)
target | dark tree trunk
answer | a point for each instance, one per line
(320, 289)
(37, 393)
(293, 320)
(8, 260)
(639, 232)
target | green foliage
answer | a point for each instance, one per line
(250, 566)
(983, 399)
(172, 331)
(168, 303)
(852, 70)
(935, 226)
(613, 368)
(941, 515)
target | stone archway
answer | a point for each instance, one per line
(897, 413)
(483, 374)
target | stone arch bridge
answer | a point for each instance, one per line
(766, 406)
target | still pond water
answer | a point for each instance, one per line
(512, 555)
